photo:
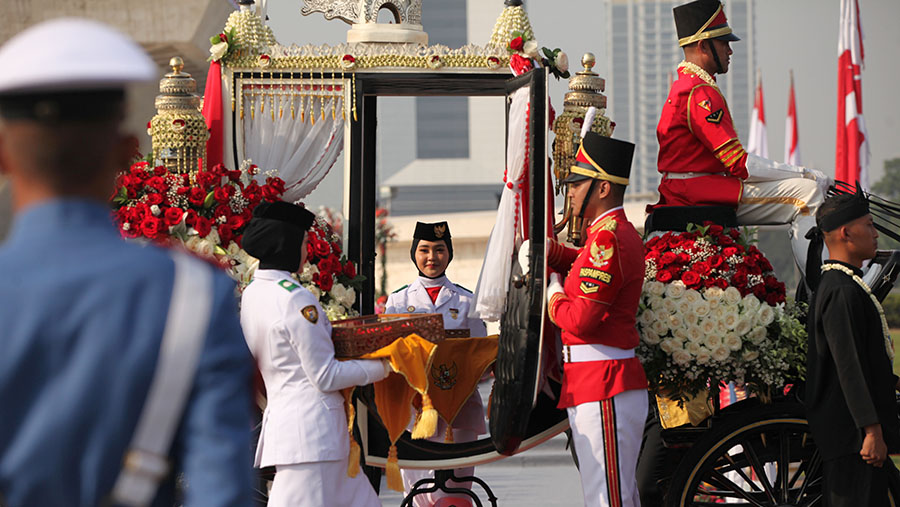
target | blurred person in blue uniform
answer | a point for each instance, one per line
(90, 406)
(304, 428)
(433, 292)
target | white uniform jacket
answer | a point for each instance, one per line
(453, 302)
(290, 337)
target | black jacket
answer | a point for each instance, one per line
(850, 380)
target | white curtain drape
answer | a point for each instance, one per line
(493, 282)
(301, 147)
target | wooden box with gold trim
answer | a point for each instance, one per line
(361, 335)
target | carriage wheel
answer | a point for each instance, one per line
(762, 458)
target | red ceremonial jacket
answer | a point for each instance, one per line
(600, 304)
(696, 134)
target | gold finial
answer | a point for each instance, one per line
(588, 60)
(177, 64)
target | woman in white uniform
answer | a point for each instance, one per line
(304, 429)
(433, 292)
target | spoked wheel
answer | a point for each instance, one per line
(766, 457)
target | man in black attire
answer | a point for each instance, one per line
(850, 398)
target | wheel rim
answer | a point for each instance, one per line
(767, 463)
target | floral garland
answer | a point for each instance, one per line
(524, 51)
(888, 342)
(206, 211)
(711, 308)
(696, 69)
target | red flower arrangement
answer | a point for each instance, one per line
(328, 274)
(710, 256)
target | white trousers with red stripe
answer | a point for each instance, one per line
(607, 437)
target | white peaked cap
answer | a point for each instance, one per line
(71, 54)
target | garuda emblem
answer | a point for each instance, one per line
(600, 254)
(439, 230)
(443, 376)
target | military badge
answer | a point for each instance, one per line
(454, 313)
(443, 376)
(588, 287)
(439, 230)
(601, 254)
(715, 117)
(310, 313)
(410, 308)
(704, 104)
(288, 285)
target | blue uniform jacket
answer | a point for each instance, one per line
(81, 319)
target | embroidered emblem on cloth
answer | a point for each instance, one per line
(454, 313)
(288, 285)
(715, 117)
(439, 231)
(704, 104)
(600, 254)
(588, 287)
(410, 308)
(310, 313)
(444, 376)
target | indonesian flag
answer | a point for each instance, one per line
(759, 143)
(791, 139)
(852, 161)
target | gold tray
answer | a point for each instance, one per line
(361, 335)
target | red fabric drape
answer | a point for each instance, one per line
(212, 111)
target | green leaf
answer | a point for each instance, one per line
(209, 200)
(547, 53)
(220, 251)
(214, 40)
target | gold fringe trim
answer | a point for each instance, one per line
(426, 424)
(392, 470)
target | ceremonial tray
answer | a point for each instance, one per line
(361, 335)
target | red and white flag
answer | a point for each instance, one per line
(759, 142)
(791, 140)
(852, 161)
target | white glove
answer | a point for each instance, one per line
(387, 367)
(554, 286)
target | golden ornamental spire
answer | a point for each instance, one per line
(178, 130)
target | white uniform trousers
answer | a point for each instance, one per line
(321, 484)
(410, 477)
(776, 194)
(607, 437)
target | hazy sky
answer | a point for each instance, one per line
(791, 34)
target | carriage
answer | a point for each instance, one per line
(749, 453)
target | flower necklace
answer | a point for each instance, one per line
(696, 69)
(888, 343)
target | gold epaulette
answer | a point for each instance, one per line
(606, 224)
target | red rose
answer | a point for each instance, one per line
(326, 283)
(721, 283)
(223, 211)
(734, 233)
(683, 258)
(219, 169)
(223, 194)
(223, 37)
(276, 183)
(690, 278)
(206, 179)
(667, 258)
(173, 216)
(225, 233)
(160, 170)
(203, 226)
(664, 276)
(760, 292)
(517, 44)
(191, 217)
(348, 58)
(739, 279)
(235, 221)
(765, 264)
(234, 175)
(153, 198)
(321, 248)
(716, 261)
(715, 229)
(652, 243)
(771, 282)
(729, 251)
(270, 193)
(726, 240)
(702, 268)
(520, 65)
(350, 270)
(196, 196)
(773, 298)
(709, 282)
(652, 255)
(675, 242)
(151, 227)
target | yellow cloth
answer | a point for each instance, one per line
(693, 411)
(456, 368)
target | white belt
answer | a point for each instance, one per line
(686, 176)
(594, 352)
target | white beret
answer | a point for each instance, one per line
(71, 54)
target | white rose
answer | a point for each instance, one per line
(721, 353)
(675, 321)
(732, 296)
(530, 48)
(743, 326)
(730, 318)
(713, 294)
(718, 312)
(750, 355)
(193, 243)
(214, 236)
(660, 327)
(206, 248)
(692, 348)
(562, 62)
(692, 296)
(647, 317)
(684, 306)
(757, 335)
(681, 357)
(765, 315)
(675, 289)
(750, 303)
(680, 335)
(671, 306)
(709, 326)
(655, 288)
(217, 51)
(701, 308)
(703, 355)
(720, 327)
(714, 303)
(712, 341)
(690, 319)
(649, 337)
(732, 341)
(657, 303)
(668, 345)
(233, 250)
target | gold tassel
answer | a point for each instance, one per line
(392, 470)
(426, 424)
(448, 437)
(353, 465)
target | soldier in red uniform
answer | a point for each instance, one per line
(604, 387)
(701, 158)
